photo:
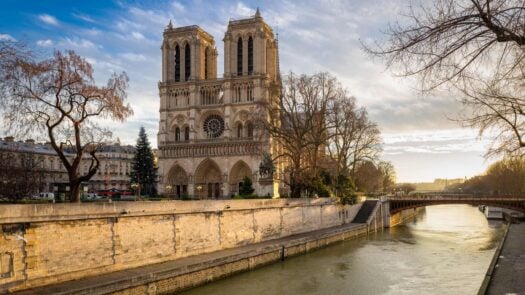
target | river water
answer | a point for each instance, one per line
(445, 250)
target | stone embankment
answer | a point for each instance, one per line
(154, 248)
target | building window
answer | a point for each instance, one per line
(177, 63)
(239, 56)
(250, 55)
(187, 61)
(206, 53)
(187, 133)
(249, 128)
(177, 134)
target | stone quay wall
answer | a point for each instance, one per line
(44, 244)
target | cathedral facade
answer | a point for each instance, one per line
(208, 141)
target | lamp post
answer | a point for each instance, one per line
(168, 189)
(199, 188)
(136, 187)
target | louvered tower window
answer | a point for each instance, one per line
(239, 57)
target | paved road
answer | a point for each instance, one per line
(509, 274)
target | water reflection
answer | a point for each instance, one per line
(446, 250)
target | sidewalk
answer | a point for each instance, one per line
(509, 273)
(120, 280)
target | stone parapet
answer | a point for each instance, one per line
(52, 243)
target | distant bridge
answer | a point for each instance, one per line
(400, 203)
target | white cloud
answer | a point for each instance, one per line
(133, 56)
(84, 17)
(178, 6)
(137, 36)
(242, 11)
(48, 19)
(6, 37)
(45, 43)
(75, 43)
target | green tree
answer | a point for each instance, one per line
(143, 171)
(246, 187)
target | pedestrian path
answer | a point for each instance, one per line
(509, 273)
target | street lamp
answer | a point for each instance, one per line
(136, 187)
(199, 188)
(168, 189)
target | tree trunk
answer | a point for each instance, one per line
(74, 192)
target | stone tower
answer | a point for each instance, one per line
(207, 137)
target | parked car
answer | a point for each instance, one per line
(46, 196)
(94, 196)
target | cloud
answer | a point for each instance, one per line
(137, 36)
(6, 37)
(133, 56)
(75, 43)
(178, 6)
(44, 43)
(242, 11)
(48, 19)
(84, 17)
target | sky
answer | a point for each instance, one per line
(421, 137)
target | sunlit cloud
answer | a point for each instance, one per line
(48, 19)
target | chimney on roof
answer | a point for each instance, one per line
(9, 139)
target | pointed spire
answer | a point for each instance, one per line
(170, 26)
(278, 67)
(257, 13)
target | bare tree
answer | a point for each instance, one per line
(354, 137)
(296, 120)
(388, 174)
(59, 96)
(475, 46)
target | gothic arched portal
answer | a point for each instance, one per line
(237, 174)
(208, 180)
(177, 184)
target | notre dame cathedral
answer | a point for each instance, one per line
(207, 138)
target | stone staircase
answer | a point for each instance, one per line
(366, 210)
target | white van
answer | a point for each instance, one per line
(46, 196)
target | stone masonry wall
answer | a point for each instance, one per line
(44, 244)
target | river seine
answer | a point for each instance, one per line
(445, 250)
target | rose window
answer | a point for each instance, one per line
(214, 126)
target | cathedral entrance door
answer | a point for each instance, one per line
(217, 190)
(210, 190)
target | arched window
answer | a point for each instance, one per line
(249, 128)
(206, 53)
(187, 133)
(177, 63)
(239, 130)
(187, 61)
(177, 134)
(250, 56)
(239, 56)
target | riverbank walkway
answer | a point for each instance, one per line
(124, 279)
(509, 272)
